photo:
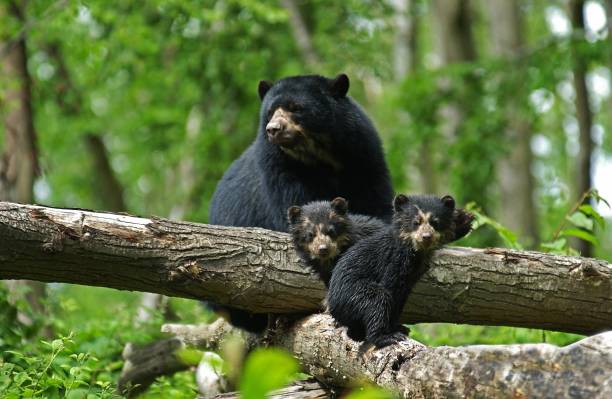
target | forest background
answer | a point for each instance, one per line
(140, 107)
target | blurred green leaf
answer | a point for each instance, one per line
(190, 356)
(585, 235)
(589, 211)
(556, 246)
(266, 370)
(581, 220)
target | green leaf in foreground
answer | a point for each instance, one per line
(266, 370)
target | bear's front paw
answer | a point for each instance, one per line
(388, 339)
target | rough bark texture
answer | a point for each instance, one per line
(584, 115)
(580, 370)
(309, 389)
(244, 267)
(516, 184)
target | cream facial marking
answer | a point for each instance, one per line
(296, 141)
(425, 236)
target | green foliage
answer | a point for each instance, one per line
(57, 370)
(266, 370)
(509, 238)
(170, 86)
(370, 392)
(582, 219)
(439, 334)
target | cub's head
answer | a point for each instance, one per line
(320, 229)
(297, 114)
(424, 221)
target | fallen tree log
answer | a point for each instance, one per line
(580, 370)
(309, 389)
(257, 270)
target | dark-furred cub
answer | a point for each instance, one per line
(372, 279)
(322, 230)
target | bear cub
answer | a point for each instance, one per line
(323, 230)
(372, 280)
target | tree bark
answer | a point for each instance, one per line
(516, 183)
(257, 270)
(414, 370)
(309, 389)
(583, 181)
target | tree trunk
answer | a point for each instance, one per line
(19, 162)
(243, 267)
(406, 61)
(452, 24)
(414, 370)
(516, 184)
(107, 185)
(583, 181)
(301, 34)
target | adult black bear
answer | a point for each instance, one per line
(372, 280)
(313, 143)
(323, 230)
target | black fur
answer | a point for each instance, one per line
(259, 186)
(323, 230)
(373, 278)
(337, 153)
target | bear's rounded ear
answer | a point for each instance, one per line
(339, 205)
(264, 86)
(448, 201)
(340, 85)
(400, 201)
(293, 214)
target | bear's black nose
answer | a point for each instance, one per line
(273, 128)
(427, 236)
(323, 249)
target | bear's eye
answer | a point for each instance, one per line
(331, 231)
(293, 107)
(434, 223)
(309, 236)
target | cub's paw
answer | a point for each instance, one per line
(388, 339)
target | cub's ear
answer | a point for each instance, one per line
(400, 201)
(340, 86)
(339, 205)
(448, 201)
(264, 86)
(293, 214)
